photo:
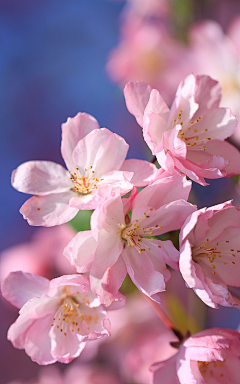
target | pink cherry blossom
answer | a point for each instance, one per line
(117, 244)
(208, 46)
(210, 253)
(143, 9)
(148, 53)
(138, 338)
(208, 357)
(190, 136)
(94, 158)
(57, 317)
(42, 255)
(74, 374)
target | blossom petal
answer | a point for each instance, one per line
(166, 161)
(154, 127)
(39, 348)
(18, 330)
(156, 255)
(213, 168)
(137, 96)
(165, 372)
(117, 180)
(163, 191)
(157, 105)
(49, 210)
(80, 251)
(144, 171)
(184, 100)
(171, 140)
(106, 283)
(108, 217)
(65, 345)
(220, 123)
(41, 178)
(19, 287)
(208, 93)
(169, 253)
(102, 150)
(142, 272)
(188, 372)
(73, 130)
(108, 250)
(228, 152)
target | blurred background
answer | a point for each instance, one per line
(60, 57)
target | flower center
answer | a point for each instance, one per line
(74, 317)
(133, 234)
(215, 253)
(191, 135)
(84, 184)
(212, 369)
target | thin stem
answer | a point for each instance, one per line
(164, 318)
(236, 298)
(153, 160)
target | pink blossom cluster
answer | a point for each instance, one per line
(153, 53)
(58, 317)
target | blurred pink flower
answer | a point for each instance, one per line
(210, 356)
(148, 53)
(190, 136)
(143, 9)
(43, 255)
(94, 158)
(138, 338)
(118, 244)
(57, 317)
(75, 374)
(217, 54)
(209, 253)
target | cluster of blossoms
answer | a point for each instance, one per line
(58, 317)
(150, 50)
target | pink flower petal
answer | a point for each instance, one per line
(142, 272)
(73, 130)
(165, 372)
(128, 202)
(212, 168)
(108, 217)
(106, 283)
(41, 178)
(220, 123)
(81, 249)
(137, 96)
(18, 330)
(157, 105)
(39, 348)
(49, 210)
(163, 191)
(166, 161)
(208, 93)
(103, 150)
(188, 372)
(144, 172)
(67, 347)
(156, 255)
(19, 287)
(153, 128)
(108, 250)
(184, 99)
(228, 152)
(171, 140)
